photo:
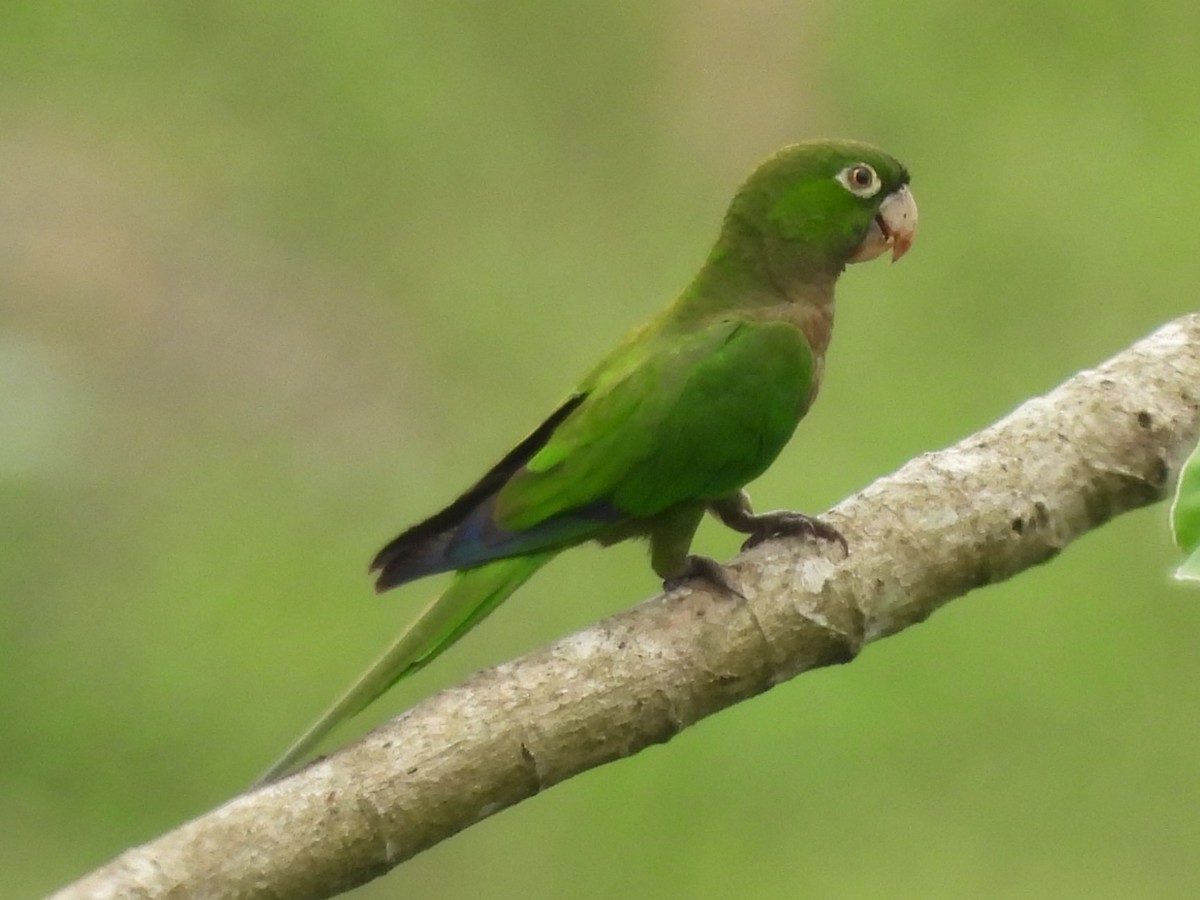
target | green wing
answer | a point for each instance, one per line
(670, 418)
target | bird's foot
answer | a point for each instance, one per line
(793, 524)
(702, 568)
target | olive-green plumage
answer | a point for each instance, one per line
(675, 421)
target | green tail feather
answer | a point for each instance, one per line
(471, 596)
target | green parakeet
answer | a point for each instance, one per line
(672, 423)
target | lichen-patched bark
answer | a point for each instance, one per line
(1107, 441)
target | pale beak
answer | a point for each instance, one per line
(895, 226)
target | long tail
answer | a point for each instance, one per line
(471, 596)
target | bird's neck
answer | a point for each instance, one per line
(813, 316)
(727, 286)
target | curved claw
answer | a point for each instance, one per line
(702, 568)
(794, 524)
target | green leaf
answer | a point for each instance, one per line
(1185, 517)
(1190, 570)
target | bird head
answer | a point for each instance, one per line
(816, 206)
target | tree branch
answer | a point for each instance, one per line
(1107, 441)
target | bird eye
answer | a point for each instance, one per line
(860, 179)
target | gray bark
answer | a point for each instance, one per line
(1107, 441)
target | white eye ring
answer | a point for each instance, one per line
(860, 179)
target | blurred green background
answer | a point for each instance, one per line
(276, 280)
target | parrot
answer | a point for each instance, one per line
(673, 423)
